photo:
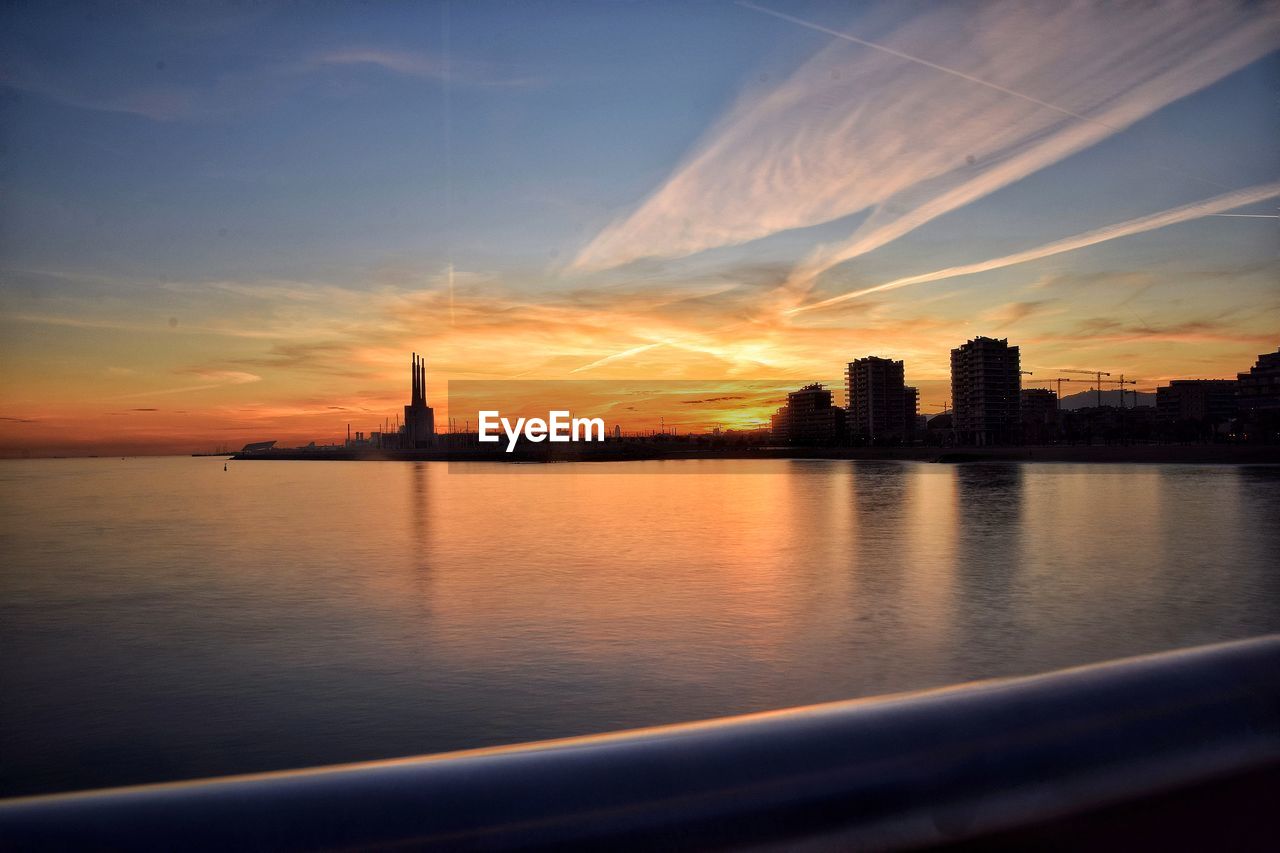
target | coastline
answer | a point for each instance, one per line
(1219, 454)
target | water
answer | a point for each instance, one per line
(163, 619)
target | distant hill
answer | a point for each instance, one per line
(1084, 399)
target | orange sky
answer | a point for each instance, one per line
(196, 367)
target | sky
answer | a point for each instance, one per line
(222, 223)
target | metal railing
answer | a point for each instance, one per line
(1163, 746)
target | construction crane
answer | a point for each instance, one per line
(1097, 374)
(1120, 383)
(1060, 380)
(1135, 392)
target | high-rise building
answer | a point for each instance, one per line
(986, 380)
(911, 430)
(1039, 413)
(419, 419)
(809, 417)
(1258, 391)
(1202, 401)
(876, 399)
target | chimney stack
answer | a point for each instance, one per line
(413, 394)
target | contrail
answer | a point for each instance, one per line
(616, 356)
(872, 127)
(1249, 215)
(935, 66)
(970, 78)
(1195, 210)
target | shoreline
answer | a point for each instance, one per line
(1220, 454)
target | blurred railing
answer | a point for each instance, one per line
(1180, 748)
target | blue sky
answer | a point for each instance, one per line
(250, 153)
(222, 143)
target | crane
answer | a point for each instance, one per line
(1135, 392)
(1120, 383)
(1097, 374)
(1060, 380)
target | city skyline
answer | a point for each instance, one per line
(990, 405)
(231, 226)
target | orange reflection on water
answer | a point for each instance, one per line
(183, 620)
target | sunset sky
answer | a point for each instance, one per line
(229, 223)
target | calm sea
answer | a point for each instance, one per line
(163, 619)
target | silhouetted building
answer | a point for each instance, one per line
(258, 447)
(985, 382)
(911, 426)
(1138, 423)
(1202, 401)
(1039, 413)
(1108, 425)
(1258, 397)
(938, 431)
(809, 418)
(876, 404)
(419, 419)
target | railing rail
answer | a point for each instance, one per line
(1179, 740)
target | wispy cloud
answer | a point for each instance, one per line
(1108, 330)
(155, 100)
(1173, 216)
(416, 64)
(1021, 87)
(1010, 313)
(601, 362)
(152, 94)
(213, 379)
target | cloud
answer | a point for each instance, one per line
(714, 399)
(156, 101)
(325, 357)
(601, 362)
(1173, 216)
(146, 91)
(329, 351)
(213, 379)
(1014, 312)
(1136, 280)
(226, 377)
(1109, 330)
(414, 64)
(856, 129)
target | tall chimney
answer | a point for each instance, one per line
(422, 386)
(413, 394)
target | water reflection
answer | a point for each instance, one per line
(162, 618)
(988, 565)
(896, 582)
(420, 521)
